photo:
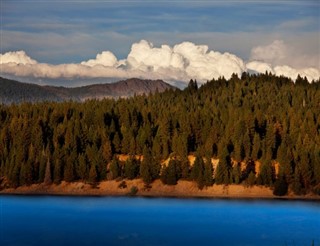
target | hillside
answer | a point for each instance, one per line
(239, 123)
(15, 92)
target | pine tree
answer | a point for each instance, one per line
(115, 169)
(197, 171)
(107, 151)
(145, 166)
(93, 175)
(251, 180)
(131, 168)
(296, 186)
(116, 143)
(69, 172)
(236, 173)
(223, 168)
(82, 168)
(185, 168)
(169, 174)
(208, 172)
(266, 173)
(47, 176)
(280, 186)
(256, 152)
(57, 172)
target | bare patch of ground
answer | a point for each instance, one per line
(156, 189)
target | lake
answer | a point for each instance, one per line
(54, 220)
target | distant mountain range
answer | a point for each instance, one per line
(15, 92)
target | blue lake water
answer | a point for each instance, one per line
(53, 220)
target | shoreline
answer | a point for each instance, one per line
(184, 189)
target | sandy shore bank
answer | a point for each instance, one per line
(158, 189)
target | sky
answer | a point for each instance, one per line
(77, 42)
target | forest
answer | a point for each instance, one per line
(253, 121)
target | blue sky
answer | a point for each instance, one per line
(68, 41)
(72, 31)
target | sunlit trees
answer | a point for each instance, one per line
(170, 173)
(224, 168)
(244, 122)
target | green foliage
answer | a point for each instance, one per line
(133, 191)
(236, 174)
(47, 177)
(258, 117)
(170, 174)
(280, 186)
(223, 168)
(251, 181)
(146, 166)
(197, 172)
(266, 175)
(82, 167)
(208, 172)
(93, 174)
(131, 168)
(185, 168)
(69, 172)
(115, 169)
(57, 172)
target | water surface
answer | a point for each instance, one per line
(54, 220)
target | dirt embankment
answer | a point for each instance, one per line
(156, 189)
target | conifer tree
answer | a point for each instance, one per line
(280, 186)
(236, 173)
(208, 172)
(223, 168)
(69, 172)
(185, 168)
(145, 166)
(93, 174)
(255, 154)
(57, 173)
(115, 169)
(82, 168)
(107, 151)
(197, 171)
(131, 168)
(169, 174)
(47, 176)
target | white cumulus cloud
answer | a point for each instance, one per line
(272, 53)
(17, 57)
(180, 62)
(275, 57)
(309, 73)
(106, 58)
(260, 67)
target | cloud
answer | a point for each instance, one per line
(309, 73)
(177, 63)
(106, 58)
(277, 56)
(280, 53)
(260, 67)
(206, 65)
(16, 57)
(271, 53)
(143, 56)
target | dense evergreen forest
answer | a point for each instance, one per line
(256, 120)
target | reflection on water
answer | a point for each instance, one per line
(32, 220)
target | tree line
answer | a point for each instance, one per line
(255, 120)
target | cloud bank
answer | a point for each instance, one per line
(178, 63)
